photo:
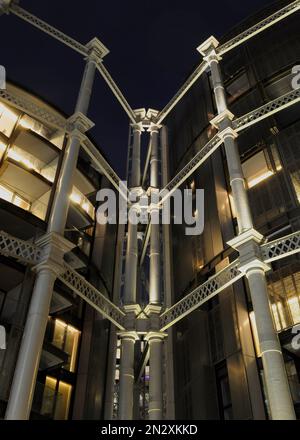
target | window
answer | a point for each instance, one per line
(15, 199)
(257, 169)
(238, 87)
(224, 395)
(56, 398)
(66, 338)
(8, 120)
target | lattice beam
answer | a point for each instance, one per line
(267, 110)
(145, 243)
(281, 248)
(200, 295)
(23, 251)
(116, 91)
(104, 167)
(41, 114)
(92, 296)
(259, 27)
(50, 30)
(182, 91)
(191, 167)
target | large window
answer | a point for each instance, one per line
(66, 338)
(56, 398)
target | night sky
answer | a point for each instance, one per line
(152, 50)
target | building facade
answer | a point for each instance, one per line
(217, 364)
(112, 299)
(72, 371)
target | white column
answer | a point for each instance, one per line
(22, 389)
(278, 392)
(248, 244)
(126, 381)
(131, 265)
(20, 399)
(154, 281)
(156, 341)
(136, 156)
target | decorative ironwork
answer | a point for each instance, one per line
(201, 294)
(23, 251)
(259, 27)
(267, 110)
(104, 166)
(91, 295)
(116, 91)
(191, 167)
(281, 248)
(29, 107)
(50, 30)
(182, 91)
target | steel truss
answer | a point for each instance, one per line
(30, 254)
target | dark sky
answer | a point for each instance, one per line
(152, 49)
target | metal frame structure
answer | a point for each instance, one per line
(46, 255)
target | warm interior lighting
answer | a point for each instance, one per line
(8, 119)
(255, 334)
(294, 306)
(261, 178)
(79, 199)
(20, 156)
(15, 199)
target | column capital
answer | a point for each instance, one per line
(78, 122)
(225, 115)
(155, 336)
(154, 128)
(54, 247)
(97, 50)
(137, 127)
(129, 336)
(248, 244)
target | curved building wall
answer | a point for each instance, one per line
(228, 373)
(31, 154)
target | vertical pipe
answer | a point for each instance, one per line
(126, 376)
(155, 382)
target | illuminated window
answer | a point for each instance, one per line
(66, 338)
(79, 199)
(2, 149)
(255, 334)
(8, 120)
(256, 169)
(15, 199)
(26, 159)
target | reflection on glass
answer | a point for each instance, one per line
(66, 338)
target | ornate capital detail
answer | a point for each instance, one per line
(228, 132)
(5, 5)
(97, 50)
(248, 244)
(217, 120)
(208, 50)
(155, 336)
(54, 247)
(129, 336)
(138, 126)
(79, 122)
